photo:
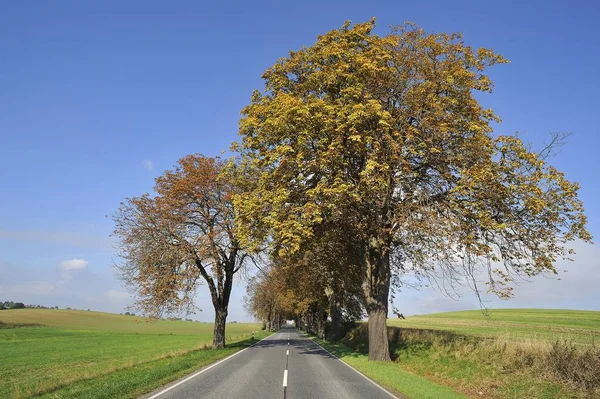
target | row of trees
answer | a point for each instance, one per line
(21, 305)
(318, 287)
(364, 159)
(12, 305)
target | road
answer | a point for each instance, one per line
(285, 365)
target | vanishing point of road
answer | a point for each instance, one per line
(285, 365)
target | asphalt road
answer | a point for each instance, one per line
(285, 365)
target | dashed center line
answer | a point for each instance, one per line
(285, 372)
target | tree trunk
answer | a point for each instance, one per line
(269, 319)
(336, 322)
(320, 324)
(378, 339)
(219, 331)
(376, 288)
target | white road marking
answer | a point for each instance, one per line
(285, 378)
(287, 353)
(206, 369)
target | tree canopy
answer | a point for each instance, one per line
(383, 135)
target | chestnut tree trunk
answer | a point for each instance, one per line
(376, 288)
(219, 329)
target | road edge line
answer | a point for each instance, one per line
(210, 366)
(364, 376)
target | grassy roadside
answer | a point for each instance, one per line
(485, 367)
(143, 378)
(390, 375)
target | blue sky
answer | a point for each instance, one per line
(98, 98)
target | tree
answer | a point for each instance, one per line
(183, 235)
(325, 275)
(309, 287)
(384, 135)
(261, 300)
(269, 299)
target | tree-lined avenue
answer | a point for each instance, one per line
(286, 364)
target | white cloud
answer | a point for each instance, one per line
(34, 288)
(73, 265)
(48, 283)
(148, 164)
(117, 296)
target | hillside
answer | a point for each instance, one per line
(523, 324)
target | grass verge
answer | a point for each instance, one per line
(490, 368)
(143, 378)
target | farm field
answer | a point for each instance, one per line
(71, 346)
(578, 326)
(513, 353)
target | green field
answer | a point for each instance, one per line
(513, 353)
(70, 347)
(579, 326)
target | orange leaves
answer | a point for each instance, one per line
(183, 235)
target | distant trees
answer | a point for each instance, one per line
(383, 135)
(265, 301)
(21, 305)
(181, 237)
(317, 287)
(11, 305)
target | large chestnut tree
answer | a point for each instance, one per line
(385, 135)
